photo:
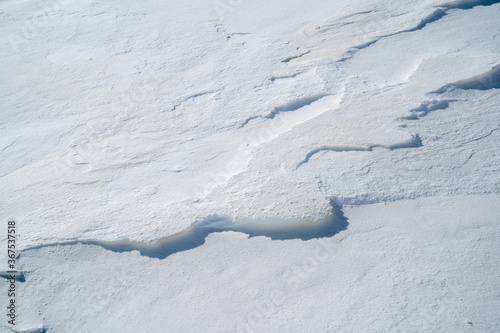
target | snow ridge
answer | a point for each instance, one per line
(414, 142)
(468, 4)
(196, 234)
(427, 107)
(485, 81)
(288, 107)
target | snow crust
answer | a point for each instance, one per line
(130, 122)
(423, 265)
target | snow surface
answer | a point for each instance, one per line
(255, 166)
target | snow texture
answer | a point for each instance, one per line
(253, 166)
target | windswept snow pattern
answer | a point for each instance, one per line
(288, 107)
(414, 142)
(254, 166)
(468, 4)
(196, 234)
(427, 107)
(485, 81)
(288, 59)
(377, 29)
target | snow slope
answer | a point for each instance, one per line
(221, 130)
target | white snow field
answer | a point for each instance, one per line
(251, 166)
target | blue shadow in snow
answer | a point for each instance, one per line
(195, 235)
(468, 4)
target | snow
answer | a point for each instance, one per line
(194, 156)
(418, 265)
